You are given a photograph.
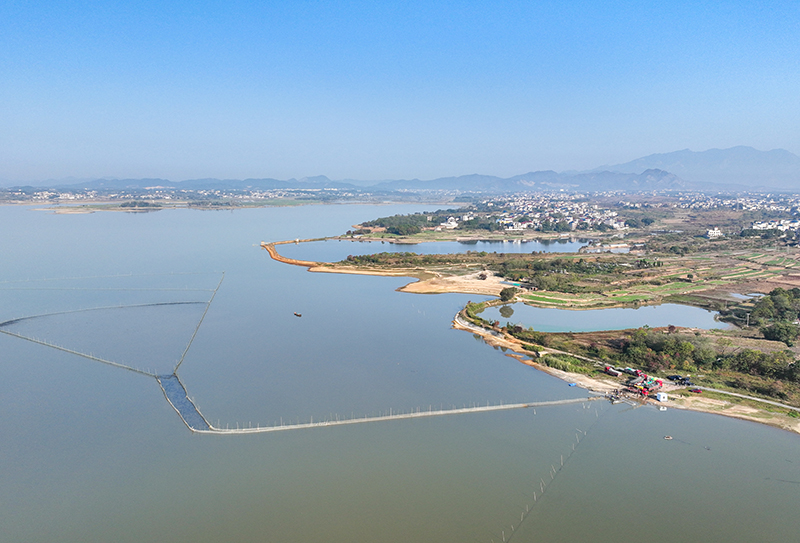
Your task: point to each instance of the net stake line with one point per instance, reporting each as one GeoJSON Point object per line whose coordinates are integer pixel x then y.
{"type": "Point", "coordinates": [203, 316]}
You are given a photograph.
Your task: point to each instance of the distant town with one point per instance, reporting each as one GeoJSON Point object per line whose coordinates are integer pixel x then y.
{"type": "Point", "coordinates": [555, 211]}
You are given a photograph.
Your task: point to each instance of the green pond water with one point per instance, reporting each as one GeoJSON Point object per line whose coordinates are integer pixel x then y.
{"type": "Point", "coordinates": [94, 453]}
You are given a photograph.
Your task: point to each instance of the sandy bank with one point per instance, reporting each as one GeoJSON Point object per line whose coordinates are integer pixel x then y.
{"type": "Point", "coordinates": [596, 384]}
{"type": "Point", "coordinates": [427, 282]}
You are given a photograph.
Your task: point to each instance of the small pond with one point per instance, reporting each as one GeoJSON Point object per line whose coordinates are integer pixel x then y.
{"type": "Point", "coordinates": [618, 318]}
{"type": "Point", "coordinates": [336, 250]}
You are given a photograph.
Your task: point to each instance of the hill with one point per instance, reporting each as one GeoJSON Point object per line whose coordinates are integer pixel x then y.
{"type": "Point", "coordinates": [741, 165]}
{"type": "Point", "coordinates": [735, 169]}
{"type": "Point", "coordinates": [652, 179]}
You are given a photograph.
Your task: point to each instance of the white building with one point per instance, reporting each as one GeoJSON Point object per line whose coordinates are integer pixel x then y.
{"type": "Point", "coordinates": [450, 223]}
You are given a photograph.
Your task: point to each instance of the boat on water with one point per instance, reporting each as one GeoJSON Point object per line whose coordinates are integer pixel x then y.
{"type": "Point", "coordinates": [296, 314]}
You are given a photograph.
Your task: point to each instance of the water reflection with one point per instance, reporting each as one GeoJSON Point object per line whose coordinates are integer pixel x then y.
{"type": "Point", "coordinates": [561, 320]}
{"type": "Point", "coordinates": [336, 250]}
{"type": "Point", "coordinates": [506, 311]}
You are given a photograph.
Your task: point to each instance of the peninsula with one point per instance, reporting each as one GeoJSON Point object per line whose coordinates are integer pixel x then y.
{"type": "Point", "coordinates": [753, 282]}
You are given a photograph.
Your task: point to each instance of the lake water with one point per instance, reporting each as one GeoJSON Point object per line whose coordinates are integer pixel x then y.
{"type": "Point", "coordinates": [95, 453]}
{"type": "Point", "coordinates": [336, 250]}
{"type": "Point", "coordinates": [618, 318]}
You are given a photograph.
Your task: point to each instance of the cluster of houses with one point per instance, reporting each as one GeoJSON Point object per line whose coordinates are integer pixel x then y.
{"type": "Point", "coordinates": [525, 213]}
{"type": "Point", "coordinates": [743, 202]}
{"type": "Point", "coordinates": [782, 225]}
{"type": "Point", "coordinates": [48, 195]}
{"type": "Point", "coordinates": [172, 194]}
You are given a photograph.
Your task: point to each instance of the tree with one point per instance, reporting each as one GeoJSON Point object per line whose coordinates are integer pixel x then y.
{"type": "Point", "coordinates": [404, 229]}
{"type": "Point", "coordinates": [508, 293]}
{"type": "Point", "coordinates": [781, 331]}
{"type": "Point", "coordinates": [704, 357]}
{"type": "Point", "coordinates": [562, 226]}
{"type": "Point", "coordinates": [765, 309]}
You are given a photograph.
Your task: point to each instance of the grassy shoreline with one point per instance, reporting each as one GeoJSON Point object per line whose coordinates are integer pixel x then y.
{"type": "Point", "coordinates": [752, 409]}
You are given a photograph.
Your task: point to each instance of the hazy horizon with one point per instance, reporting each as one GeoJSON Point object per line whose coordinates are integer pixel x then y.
{"type": "Point", "coordinates": [729, 163]}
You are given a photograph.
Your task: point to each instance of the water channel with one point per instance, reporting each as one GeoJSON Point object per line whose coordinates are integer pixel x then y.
{"type": "Point", "coordinates": [94, 453]}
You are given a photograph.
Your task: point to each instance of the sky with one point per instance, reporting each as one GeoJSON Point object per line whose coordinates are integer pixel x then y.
{"type": "Point", "coordinates": [386, 90]}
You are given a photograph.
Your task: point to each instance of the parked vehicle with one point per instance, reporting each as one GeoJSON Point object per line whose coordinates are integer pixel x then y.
{"type": "Point", "coordinates": [653, 384]}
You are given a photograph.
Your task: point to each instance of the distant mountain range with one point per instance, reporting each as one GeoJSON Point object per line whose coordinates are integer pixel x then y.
{"type": "Point", "coordinates": [547, 180]}
{"type": "Point", "coordinates": [737, 168]}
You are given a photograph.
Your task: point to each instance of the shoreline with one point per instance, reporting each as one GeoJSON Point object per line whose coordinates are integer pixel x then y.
{"type": "Point", "coordinates": [594, 384]}
{"type": "Point", "coordinates": [431, 281]}
{"type": "Point", "coordinates": [427, 282]}
{"type": "Point", "coordinates": [469, 285]}
{"type": "Point", "coordinates": [545, 238]}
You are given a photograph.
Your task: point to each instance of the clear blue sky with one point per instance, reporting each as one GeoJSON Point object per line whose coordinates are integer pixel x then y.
{"type": "Point", "coordinates": [378, 90]}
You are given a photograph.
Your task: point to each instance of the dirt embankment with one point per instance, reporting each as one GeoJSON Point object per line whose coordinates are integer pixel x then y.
{"type": "Point", "coordinates": [270, 247]}
{"type": "Point", "coordinates": [428, 282]}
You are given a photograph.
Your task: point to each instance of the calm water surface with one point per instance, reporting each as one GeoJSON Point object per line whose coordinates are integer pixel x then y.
{"type": "Point", "coordinates": [618, 318]}
{"type": "Point", "coordinates": [95, 453]}
{"type": "Point", "coordinates": [336, 250]}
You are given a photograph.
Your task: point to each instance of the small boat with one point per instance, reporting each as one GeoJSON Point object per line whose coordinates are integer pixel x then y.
{"type": "Point", "coordinates": [667, 437]}
{"type": "Point", "coordinates": [296, 314]}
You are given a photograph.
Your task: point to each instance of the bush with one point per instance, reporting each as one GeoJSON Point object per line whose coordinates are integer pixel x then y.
{"type": "Point", "coordinates": [138, 203]}
{"type": "Point", "coordinates": [556, 363]}
{"type": "Point", "coordinates": [564, 362]}
{"type": "Point", "coordinates": [404, 230]}
{"type": "Point", "coordinates": [540, 338]}
{"type": "Point", "coordinates": [508, 293]}
{"type": "Point", "coordinates": [781, 331]}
